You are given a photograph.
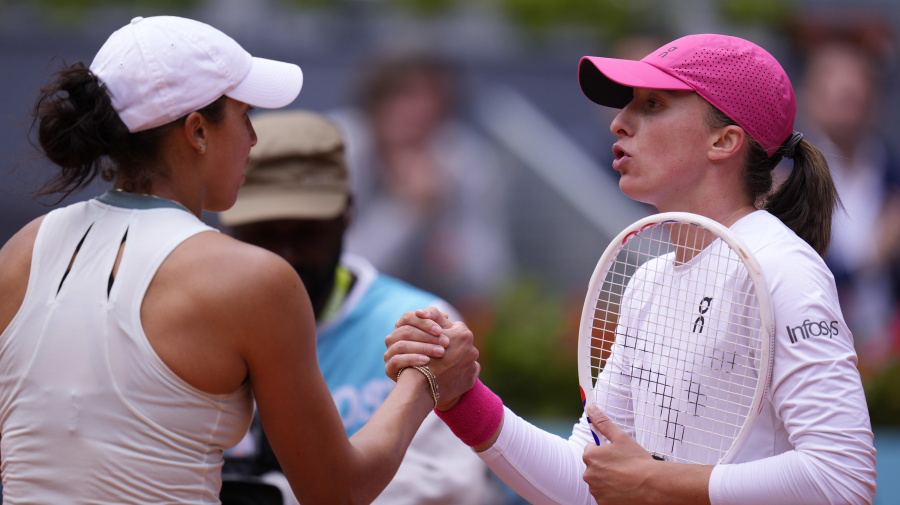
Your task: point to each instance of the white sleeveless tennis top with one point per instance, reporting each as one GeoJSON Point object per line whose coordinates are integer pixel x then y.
{"type": "Point", "coordinates": [88, 412]}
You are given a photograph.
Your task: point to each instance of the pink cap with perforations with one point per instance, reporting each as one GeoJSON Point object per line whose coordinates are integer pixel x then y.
{"type": "Point", "coordinates": [736, 76]}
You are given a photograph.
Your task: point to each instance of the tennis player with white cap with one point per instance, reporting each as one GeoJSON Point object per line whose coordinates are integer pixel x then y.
{"type": "Point", "coordinates": [134, 337]}
{"type": "Point", "coordinates": [704, 120]}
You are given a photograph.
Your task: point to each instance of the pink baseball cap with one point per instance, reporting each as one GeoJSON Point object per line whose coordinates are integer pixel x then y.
{"type": "Point", "coordinates": [736, 76]}
{"type": "Point", "coordinates": [160, 68]}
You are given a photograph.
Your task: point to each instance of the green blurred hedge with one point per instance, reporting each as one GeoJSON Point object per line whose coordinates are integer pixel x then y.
{"type": "Point", "coordinates": [527, 340]}
{"type": "Point", "coordinates": [883, 395]}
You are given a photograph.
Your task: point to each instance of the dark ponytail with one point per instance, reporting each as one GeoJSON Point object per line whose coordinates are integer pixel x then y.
{"type": "Point", "coordinates": [76, 127]}
{"type": "Point", "coordinates": [79, 130]}
{"type": "Point", "coordinates": [805, 201]}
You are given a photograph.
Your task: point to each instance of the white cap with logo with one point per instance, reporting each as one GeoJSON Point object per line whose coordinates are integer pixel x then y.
{"type": "Point", "coordinates": [160, 68]}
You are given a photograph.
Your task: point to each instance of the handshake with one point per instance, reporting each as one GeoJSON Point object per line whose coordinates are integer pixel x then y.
{"type": "Point", "coordinates": [445, 350]}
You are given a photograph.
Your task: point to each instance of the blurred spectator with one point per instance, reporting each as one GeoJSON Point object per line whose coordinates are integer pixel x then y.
{"type": "Point", "coordinates": [295, 202]}
{"type": "Point", "coordinates": [847, 59]}
{"type": "Point", "coordinates": [429, 190]}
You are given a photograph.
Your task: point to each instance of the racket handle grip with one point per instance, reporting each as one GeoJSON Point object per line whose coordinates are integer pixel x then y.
{"type": "Point", "coordinates": [476, 417]}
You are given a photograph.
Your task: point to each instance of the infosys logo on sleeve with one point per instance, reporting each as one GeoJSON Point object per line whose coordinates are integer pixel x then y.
{"type": "Point", "coordinates": [810, 329]}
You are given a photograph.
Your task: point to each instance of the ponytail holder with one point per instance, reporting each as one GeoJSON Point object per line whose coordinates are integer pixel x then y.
{"type": "Point", "coordinates": [790, 145]}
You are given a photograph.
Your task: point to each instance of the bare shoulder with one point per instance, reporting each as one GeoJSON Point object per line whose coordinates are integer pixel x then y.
{"type": "Point", "coordinates": [231, 280]}
{"type": "Point", "coordinates": [15, 267]}
{"type": "Point", "coordinates": [20, 245]}
{"type": "Point", "coordinates": [216, 297]}
{"type": "Point", "coordinates": [217, 259]}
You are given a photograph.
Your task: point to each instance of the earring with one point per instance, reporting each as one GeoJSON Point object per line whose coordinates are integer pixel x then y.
{"type": "Point", "coordinates": [202, 148]}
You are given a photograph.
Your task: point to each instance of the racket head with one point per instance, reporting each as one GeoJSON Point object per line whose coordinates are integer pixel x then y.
{"type": "Point", "coordinates": [684, 378]}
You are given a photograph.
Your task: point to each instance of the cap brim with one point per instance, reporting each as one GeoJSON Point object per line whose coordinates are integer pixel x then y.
{"type": "Point", "coordinates": [269, 84]}
{"type": "Point", "coordinates": [611, 82]}
{"type": "Point", "coordinates": [269, 205]}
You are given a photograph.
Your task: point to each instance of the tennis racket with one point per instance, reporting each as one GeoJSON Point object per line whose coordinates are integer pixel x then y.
{"type": "Point", "coordinates": [676, 337]}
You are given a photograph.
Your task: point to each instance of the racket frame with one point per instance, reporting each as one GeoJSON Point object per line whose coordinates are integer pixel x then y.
{"type": "Point", "coordinates": [766, 309]}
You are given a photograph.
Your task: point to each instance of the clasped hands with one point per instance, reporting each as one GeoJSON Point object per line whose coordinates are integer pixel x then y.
{"type": "Point", "coordinates": [615, 471]}
{"type": "Point", "coordinates": [428, 337]}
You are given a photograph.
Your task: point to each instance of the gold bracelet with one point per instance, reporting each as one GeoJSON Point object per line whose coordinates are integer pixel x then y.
{"type": "Point", "coordinates": [432, 381]}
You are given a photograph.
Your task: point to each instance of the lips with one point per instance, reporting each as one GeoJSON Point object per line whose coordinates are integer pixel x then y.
{"type": "Point", "coordinates": [621, 156]}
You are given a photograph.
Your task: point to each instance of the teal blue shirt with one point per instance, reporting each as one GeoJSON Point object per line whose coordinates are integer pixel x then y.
{"type": "Point", "coordinates": [351, 346]}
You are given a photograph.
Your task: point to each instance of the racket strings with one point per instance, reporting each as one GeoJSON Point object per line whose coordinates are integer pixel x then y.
{"type": "Point", "coordinates": [676, 339]}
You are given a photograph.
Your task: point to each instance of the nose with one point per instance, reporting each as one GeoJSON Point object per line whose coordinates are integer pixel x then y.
{"type": "Point", "coordinates": [621, 125]}
{"type": "Point", "coordinates": [253, 138]}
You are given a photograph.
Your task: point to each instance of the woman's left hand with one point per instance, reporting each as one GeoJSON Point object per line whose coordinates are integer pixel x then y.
{"type": "Point", "coordinates": [622, 471]}
{"type": "Point", "coordinates": [615, 471]}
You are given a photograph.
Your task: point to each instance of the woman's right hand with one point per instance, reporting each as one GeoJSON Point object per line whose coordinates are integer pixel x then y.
{"type": "Point", "coordinates": [427, 337]}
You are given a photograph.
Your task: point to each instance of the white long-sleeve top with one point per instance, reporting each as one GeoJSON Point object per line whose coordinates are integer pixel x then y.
{"type": "Point", "coordinates": [813, 441]}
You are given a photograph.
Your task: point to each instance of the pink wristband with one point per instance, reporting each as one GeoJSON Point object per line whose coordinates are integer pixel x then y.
{"type": "Point", "coordinates": [476, 417]}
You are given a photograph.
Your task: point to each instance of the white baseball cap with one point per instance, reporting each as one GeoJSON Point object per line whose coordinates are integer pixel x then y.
{"type": "Point", "coordinates": [160, 68]}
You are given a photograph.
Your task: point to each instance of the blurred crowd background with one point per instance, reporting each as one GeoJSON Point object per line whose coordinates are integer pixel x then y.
{"type": "Point", "coordinates": [481, 173]}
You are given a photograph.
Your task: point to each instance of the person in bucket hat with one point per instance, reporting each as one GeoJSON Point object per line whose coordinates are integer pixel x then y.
{"type": "Point", "coordinates": [135, 337]}
{"type": "Point", "coordinates": [704, 120]}
{"type": "Point", "coordinates": [296, 202]}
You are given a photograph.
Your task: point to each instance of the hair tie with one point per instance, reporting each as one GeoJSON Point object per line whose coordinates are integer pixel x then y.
{"type": "Point", "coordinates": [790, 145]}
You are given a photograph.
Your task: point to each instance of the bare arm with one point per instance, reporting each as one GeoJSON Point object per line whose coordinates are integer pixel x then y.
{"type": "Point", "coordinates": [299, 415]}
{"type": "Point", "coordinates": [234, 312]}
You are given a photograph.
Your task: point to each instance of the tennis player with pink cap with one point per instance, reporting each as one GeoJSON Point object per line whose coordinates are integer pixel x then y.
{"type": "Point", "coordinates": [133, 336]}
{"type": "Point", "coordinates": [704, 120]}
